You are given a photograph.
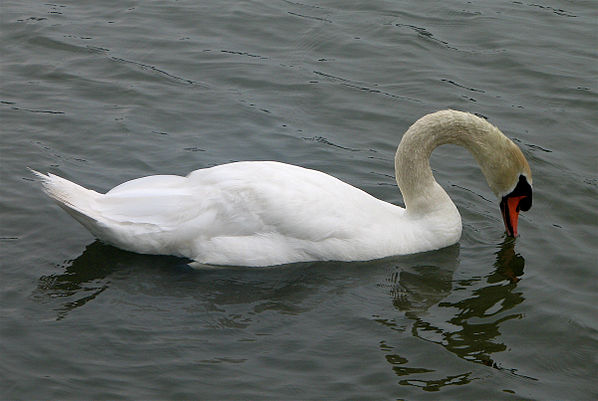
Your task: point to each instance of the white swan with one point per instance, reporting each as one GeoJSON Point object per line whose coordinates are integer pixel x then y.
{"type": "Point", "coordinates": [268, 213]}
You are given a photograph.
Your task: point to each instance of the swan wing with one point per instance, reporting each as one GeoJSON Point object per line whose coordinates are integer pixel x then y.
{"type": "Point", "coordinates": [271, 197]}
{"type": "Point", "coordinates": [251, 213]}
{"type": "Point", "coordinates": [160, 200]}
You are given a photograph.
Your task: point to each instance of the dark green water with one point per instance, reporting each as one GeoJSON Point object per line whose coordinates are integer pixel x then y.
{"type": "Point", "coordinates": [103, 92]}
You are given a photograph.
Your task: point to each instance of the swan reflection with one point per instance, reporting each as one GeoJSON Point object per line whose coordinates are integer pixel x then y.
{"type": "Point", "coordinates": [463, 316]}
{"type": "Point", "coordinates": [100, 266]}
{"type": "Point", "coordinates": [86, 277]}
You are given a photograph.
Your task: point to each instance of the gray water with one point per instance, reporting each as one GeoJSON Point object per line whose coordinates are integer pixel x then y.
{"type": "Point", "coordinates": [103, 92]}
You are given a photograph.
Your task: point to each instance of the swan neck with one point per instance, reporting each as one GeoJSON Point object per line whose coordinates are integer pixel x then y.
{"type": "Point", "coordinates": [414, 176]}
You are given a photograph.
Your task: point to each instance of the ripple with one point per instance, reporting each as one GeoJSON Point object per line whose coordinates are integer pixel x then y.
{"type": "Point", "coordinates": [310, 17]}
{"type": "Point", "coordinates": [152, 68]}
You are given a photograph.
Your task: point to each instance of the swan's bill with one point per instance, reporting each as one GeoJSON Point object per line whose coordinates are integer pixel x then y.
{"type": "Point", "coordinates": [520, 199]}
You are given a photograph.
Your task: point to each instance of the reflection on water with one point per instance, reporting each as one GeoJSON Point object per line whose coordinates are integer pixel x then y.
{"type": "Point", "coordinates": [100, 266]}
{"type": "Point", "coordinates": [477, 318]}
{"type": "Point", "coordinates": [508, 263]}
{"type": "Point", "coordinates": [475, 309]}
{"type": "Point", "coordinates": [85, 277]}
{"type": "Point", "coordinates": [463, 316]}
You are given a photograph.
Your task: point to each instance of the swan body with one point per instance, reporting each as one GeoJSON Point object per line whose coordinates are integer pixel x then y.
{"type": "Point", "coordinates": [260, 213]}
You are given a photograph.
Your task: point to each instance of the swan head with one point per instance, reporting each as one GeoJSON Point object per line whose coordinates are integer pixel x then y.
{"type": "Point", "coordinates": [503, 164]}
{"type": "Point", "coordinates": [510, 179]}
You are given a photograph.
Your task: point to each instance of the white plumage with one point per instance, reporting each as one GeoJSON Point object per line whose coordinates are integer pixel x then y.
{"type": "Point", "coordinates": [262, 213]}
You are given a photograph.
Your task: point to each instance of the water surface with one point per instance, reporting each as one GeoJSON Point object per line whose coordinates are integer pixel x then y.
{"type": "Point", "coordinates": [103, 92]}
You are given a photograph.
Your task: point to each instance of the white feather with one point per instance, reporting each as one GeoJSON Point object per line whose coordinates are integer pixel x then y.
{"type": "Point", "coordinates": [266, 213]}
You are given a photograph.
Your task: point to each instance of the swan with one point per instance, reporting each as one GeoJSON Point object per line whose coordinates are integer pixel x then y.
{"type": "Point", "coordinates": [263, 213]}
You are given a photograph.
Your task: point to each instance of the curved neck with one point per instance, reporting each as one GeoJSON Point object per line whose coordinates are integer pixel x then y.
{"type": "Point", "coordinates": [414, 176]}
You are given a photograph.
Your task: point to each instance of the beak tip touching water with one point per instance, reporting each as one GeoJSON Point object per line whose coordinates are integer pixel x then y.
{"type": "Point", "coordinates": [509, 208]}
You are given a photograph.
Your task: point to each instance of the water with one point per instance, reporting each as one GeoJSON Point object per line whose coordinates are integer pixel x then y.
{"type": "Point", "coordinates": [103, 92]}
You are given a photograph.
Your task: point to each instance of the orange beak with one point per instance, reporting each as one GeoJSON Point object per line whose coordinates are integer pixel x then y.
{"type": "Point", "coordinates": [509, 208]}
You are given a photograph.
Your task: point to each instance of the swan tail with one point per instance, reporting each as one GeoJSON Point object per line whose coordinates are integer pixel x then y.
{"type": "Point", "coordinates": [76, 200]}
